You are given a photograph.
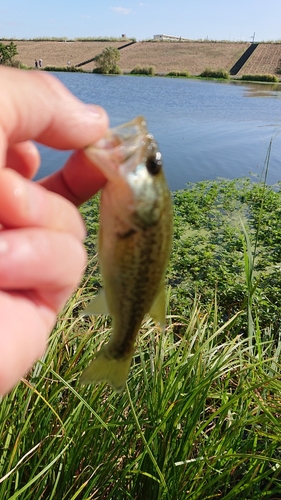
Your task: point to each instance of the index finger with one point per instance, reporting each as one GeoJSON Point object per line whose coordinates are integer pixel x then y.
{"type": "Point", "coordinates": [35, 105]}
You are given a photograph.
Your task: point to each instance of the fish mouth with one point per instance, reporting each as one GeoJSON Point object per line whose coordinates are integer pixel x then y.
{"type": "Point", "coordinates": [124, 145]}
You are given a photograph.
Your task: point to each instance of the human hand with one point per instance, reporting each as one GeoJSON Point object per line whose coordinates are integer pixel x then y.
{"type": "Point", "coordinates": [41, 231]}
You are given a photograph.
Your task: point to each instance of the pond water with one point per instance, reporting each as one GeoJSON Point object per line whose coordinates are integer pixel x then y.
{"type": "Point", "coordinates": [204, 129]}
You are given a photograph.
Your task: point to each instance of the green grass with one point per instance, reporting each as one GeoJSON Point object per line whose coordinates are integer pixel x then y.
{"type": "Point", "coordinates": [260, 78]}
{"type": "Point", "coordinates": [71, 69]}
{"type": "Point", "coordinates": [200, 417]}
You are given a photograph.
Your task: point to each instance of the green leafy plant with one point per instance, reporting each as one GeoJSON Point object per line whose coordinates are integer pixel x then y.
{"type": "Point", "coordinates": [208, 247]}
{"type": "Point", "coordinates": [107, 60]}
{"type": "Point", "coordinates": [7, 53]}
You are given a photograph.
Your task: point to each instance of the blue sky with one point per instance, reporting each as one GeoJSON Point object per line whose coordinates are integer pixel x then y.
{"type": "Point", "coordinates": [195, 19]}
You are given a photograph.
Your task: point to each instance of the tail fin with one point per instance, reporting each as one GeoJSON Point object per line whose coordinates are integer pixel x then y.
{"type": "Point", "coordinates": [107, 369]}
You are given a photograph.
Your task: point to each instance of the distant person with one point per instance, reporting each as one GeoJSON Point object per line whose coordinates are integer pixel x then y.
{"type": "Point", "coordinates": [40, 63]}
{"type": "Point", "coordinates": [36, 63]}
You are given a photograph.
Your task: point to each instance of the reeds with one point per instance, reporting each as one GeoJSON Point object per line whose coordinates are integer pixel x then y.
{"type": "Point", "coordinates": [199, 417]}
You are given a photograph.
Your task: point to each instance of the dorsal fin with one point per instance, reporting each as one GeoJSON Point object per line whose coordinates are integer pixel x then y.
{"type": "Point", "coordinates": [158, 308]}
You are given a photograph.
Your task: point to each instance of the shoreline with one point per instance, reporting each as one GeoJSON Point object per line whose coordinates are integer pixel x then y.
{"type": "Point", "coordinates": [163, 75]}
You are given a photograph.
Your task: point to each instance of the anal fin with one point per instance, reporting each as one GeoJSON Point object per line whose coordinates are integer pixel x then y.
{"type": "Point", "coordinates": [97, 306]}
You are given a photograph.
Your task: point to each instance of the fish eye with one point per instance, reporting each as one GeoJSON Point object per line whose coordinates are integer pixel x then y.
{"type": "Point", "coordinates": [153, 165]}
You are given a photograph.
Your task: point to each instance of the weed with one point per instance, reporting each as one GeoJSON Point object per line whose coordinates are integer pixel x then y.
{"type": "Point", "coordinates": [209, 73]}
{"type": "Point", "coordinates": [143, 70]}
{"type": "Point", "coordinates": [184, 74]}
{"type": "Point", "coordinates": [260, 78]}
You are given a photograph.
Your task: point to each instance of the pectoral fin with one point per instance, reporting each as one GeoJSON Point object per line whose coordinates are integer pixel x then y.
{"type": "Point", "coordinates": [158, 308]}
{"type": "Point", "coordinates": [97, 306]}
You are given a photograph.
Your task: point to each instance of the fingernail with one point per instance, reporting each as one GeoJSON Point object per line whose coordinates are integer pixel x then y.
{"type": "Point", "coordinates": [94, 111]}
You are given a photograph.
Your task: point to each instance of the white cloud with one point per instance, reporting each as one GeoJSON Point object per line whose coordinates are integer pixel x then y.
{"type": "Point", "coordinates": [121, 10]}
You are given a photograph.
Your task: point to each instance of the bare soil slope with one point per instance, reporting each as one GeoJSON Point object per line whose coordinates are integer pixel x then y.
{"type": "Point", "coordinates": [191, 56]}
{"type": "Point", "coordinates": [265, 59]}
{"type": "Point", "coordinates": [59, 53]}
{"type": "Point", "coordinates": [164, 56]}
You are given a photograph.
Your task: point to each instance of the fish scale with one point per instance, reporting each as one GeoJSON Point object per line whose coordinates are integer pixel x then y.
{"type": "Point", "coordinates": [144, 277]}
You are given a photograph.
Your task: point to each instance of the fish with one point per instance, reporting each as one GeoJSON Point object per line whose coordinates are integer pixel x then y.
{"type": "Point", "coordinates": [134, 244]}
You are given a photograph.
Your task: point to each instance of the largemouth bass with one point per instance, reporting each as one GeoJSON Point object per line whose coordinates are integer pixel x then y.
{"type": "Point", "coordinates": [134, 244]}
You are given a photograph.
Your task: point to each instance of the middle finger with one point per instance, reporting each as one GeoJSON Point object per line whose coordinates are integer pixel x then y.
{"type": "Point", "coordinates": [26, 204]}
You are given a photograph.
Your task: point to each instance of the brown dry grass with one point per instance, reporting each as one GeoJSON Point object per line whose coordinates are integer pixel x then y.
{"type": "Point", "coordinates": [164, 56]}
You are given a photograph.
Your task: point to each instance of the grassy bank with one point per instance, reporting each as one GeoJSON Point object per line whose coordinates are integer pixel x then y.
{"type": "Point", "coordinates": [200, 417]}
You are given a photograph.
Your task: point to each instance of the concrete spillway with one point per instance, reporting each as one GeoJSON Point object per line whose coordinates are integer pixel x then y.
{"type": "Point", "coordinates": [93, 58]}
{"type": "Point", "coordinates": [241, 61]}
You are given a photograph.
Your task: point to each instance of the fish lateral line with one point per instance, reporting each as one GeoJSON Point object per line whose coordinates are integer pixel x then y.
{"type": "Point", "coordinates": [99, 306]}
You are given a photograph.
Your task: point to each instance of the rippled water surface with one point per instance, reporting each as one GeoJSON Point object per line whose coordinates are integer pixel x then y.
{"type": "Point", "coordinates": [204, 129]}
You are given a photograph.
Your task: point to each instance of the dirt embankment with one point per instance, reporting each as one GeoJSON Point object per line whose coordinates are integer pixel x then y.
{"type": "Point", "coordinates": [164, 56]}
